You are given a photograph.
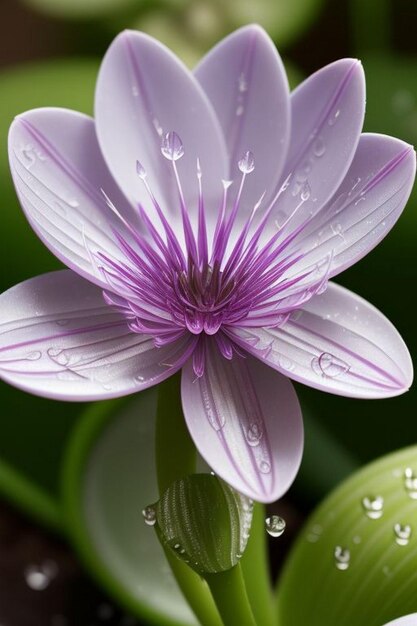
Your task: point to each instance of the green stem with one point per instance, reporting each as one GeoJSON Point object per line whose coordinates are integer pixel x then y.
{"type": "Point", "coordinates": [176, 458]}
{"type": "Point", "coordinates": [255, 569]}
{"type": "Point", "coordinates": [229, 593]}
{"type": "Point", "coordinates": [370, 20]}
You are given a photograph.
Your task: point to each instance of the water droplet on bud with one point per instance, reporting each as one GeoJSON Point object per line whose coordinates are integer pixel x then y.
{"type": "Point", "coordinates": [149, 515]}
{"type": "Point", "coordinates": [172, 147]}
{"type": "Point", "coordinates": [275, 525]}
{"type": "Point", "coordinates": [247, 163]}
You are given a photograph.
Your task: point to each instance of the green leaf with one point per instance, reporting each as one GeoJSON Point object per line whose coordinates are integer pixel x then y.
{"type": "Point", "coordinates": [205, 522]}
{"type": "Point", "coordinates": [355, 560]}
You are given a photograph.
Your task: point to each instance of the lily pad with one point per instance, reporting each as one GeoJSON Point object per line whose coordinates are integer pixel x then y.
{"type": "Point", "coordinates": [109, 478]}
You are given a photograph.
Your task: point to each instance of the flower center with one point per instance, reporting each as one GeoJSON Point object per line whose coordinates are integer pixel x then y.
{"type": "Point", "coordinates": [208, 278]}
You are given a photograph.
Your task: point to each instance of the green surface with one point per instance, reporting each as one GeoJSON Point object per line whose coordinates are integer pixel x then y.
{"type": "Point", "coordinates": [380, 581]}
{"type": "Point", "coordinates": [33, 431]}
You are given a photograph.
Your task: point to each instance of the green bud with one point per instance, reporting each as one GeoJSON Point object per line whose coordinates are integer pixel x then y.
{"type": "Point", "coordinates": [205, 522]}
{"type": "Point", "coordinates": [355, 562]}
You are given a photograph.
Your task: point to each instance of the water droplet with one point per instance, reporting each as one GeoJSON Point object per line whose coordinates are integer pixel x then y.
{"type": "Point", "coordinates": [296, 189]}
{"type": "Point", "coordinates": [135, 91]}
{"type": "Point", "coordinates": [63, 322]}
{"type": "Point", "coordinates": [247, 163]}
{"type": "Point", "coordinates": [139, 379]}
{"type": "Point", "coordinates": [319, 147]}
{"type": "Point", "coordinates": [34, 356]}
{"type": "Point", "coordinates": [341, 558]}
{"type": "Point", "coordinates": [333, 118]}
{"type": "Point", "coordinates": [373, 506]}
{"type": "Point", "coordinates": [264, 467]}
{"type": "Point", "coordinates": [275, 525]}
{"type": "Point", "coordinates": [402, 534]}
{"type": "Point", "coordinates": [172, 147]}
{"type": "Point", "coordinates": [243, 85]}
{"type": "Point", "coordinates": [410, 483]}
{"type": "Point", "coordinates": [58, 356]}
{"type": "Point", "coordinates": [73, 203]}
{"type": "Point", "coordinates": [337, 229]}
{"type": "Point", "coordinates": [239, 110]}
{"type": "Point", "coordinates": [140, 170]}
{"type": "Point", "coordinates": [305, 192]}
{"type": "Point", "coordinates": [254, 434]}
{"type": "Point", "coordinates": [329, 366]}
{"type": "Point", "coordinates": [149, 515]}
{"type": "Point", "coordinates": [157, 126]}
{"type": "Point", "coordinates": [286, 363]}
{"type": "Point", "coordinates": [39, 577]}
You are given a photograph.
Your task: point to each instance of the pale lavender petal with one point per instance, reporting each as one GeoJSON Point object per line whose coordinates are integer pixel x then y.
{"type": "Point", "coordinates": [339, 343]}
{"type": "Point", "coordinates": [246, 423]}
{"type": "Point", "coordinates": [327, 116]}
{"type": "Point", "coordinates": [246, 82]}
{"type": "Point", "coordinates": [407, 620]}
{"type": "Point", "coordinates": [59, 339]}
{"type": "Point", "coordinates": [365, 207]}
{"type": "Point", "coordinates": [143, 92]}
{"type": "Point", "coordinates": [59, 172]}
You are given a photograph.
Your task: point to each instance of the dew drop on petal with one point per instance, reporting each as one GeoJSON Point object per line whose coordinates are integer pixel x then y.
{"type": "Point", "coordinates": [329, 366]}
{"type": "Point", "coordinates": [341, 558]}
{"type": "Point", "coordinates": [373, 506]}
{"type": "Point", "coordinates": [247, 163]}
{"type": "Point", "coordinates": [264, 467]}
{"type": "Point", "coordinates": [172, 147]}
{"type": "Point", "coordinates": [34, 356]}
{"type": "Point", "coordinates": [334, 117]}
{"type": "Point", "coordinates": [149, 515]}
{"type": "Point", "coordinates": [275, 525]}
{"type": "Point", "coordinates": [305, 192]}
{"type": "Point", "coordinates": [140, 170]}
{"type": "Point", "coordinates": [319, 147]}
{"type": "Point", "coordinates": [402, 533]}
{"type": "Point", "coordinates": [254, 434]}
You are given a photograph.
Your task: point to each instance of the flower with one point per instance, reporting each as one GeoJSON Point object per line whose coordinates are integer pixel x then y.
{"type": "Point", "coordinates": [202, 216]}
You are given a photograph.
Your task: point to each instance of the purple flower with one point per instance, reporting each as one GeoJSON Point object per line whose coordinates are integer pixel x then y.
{"type": "Point", "coordinates": [202, 216]}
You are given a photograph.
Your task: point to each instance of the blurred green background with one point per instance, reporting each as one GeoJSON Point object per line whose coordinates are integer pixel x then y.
{"type": "Point", "coordinates": [49, 55]}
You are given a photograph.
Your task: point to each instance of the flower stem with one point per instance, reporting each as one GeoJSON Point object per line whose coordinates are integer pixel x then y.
{"type": "Point", "coordinates": [176, 458]}
{"type": "Point", "coordinates": [255, 569]}
{"type": "Point", "coordinates": [229, 593]}
{"type": "Point", "coordinates": [370, 21]}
